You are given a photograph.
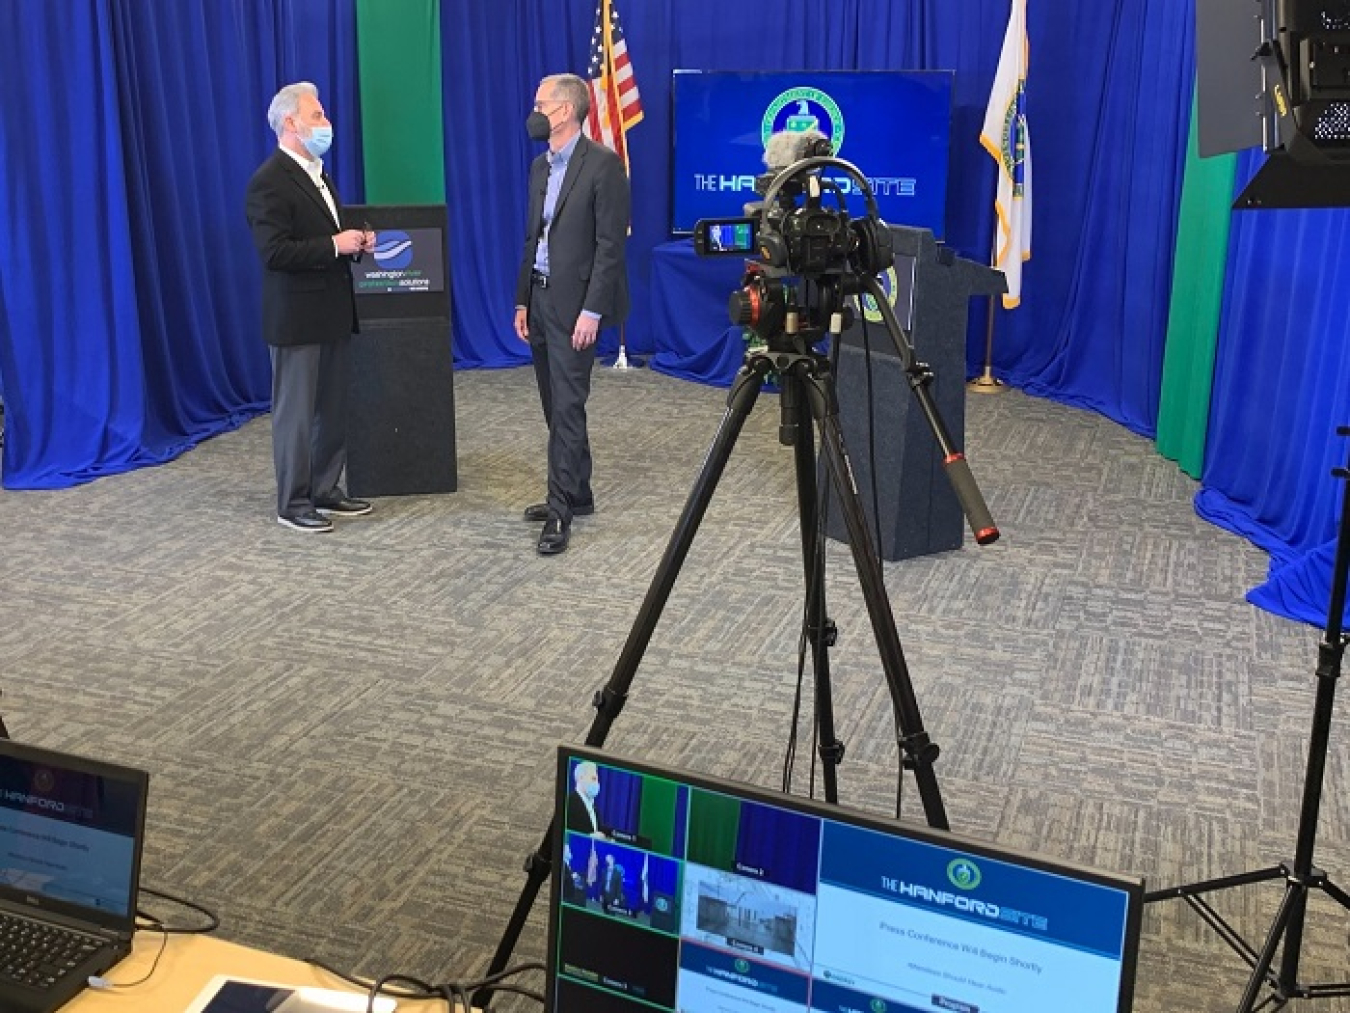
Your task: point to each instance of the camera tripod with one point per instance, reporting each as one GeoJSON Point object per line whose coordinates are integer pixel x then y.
{"type": "Point", "coordinates": [1300, 877]}
{"type": "Point", "coordinates": [807, 395]}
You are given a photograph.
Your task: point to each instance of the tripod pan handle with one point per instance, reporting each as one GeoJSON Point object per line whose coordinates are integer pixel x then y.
{"type": "Point", "coordinates": [979, 518]}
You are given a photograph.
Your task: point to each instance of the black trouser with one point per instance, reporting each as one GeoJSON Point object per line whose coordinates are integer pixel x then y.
{"type": "Point", "coordinates": [564, 378]}
{"type": "Point", "coordinates": [309, 418]}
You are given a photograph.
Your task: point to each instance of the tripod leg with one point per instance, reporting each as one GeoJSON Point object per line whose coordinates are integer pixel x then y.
{"type": "Point", "coordinates": [1294, 898]}
{"type": "Point", "coordinates": [744, 392]}
{"type": "Point", "coordinates": [819, 629]}
{"type": "Point", "coordinates": [610, 700]}
{"type": "Point", "coordinates": [917, 750]}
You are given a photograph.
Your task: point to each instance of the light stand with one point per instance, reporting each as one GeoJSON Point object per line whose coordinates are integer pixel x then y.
{"type": "Point", "coordinates": [1301, 877]}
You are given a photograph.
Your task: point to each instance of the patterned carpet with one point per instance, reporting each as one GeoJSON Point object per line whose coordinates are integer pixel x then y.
{"type": "Point", "coordinates": [351, 736]}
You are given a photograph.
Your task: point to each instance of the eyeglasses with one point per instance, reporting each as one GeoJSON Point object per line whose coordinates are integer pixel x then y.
{"type": "Point", "coordinates": [539, 106]}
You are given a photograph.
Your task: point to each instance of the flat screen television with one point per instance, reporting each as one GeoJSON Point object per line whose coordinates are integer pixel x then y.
{"type": "Point", "coordinates": [895, 126]}
{"type": "Point", "coordinates": [407, 276]}
{"type": "Point", "coordinates": [676, 891]}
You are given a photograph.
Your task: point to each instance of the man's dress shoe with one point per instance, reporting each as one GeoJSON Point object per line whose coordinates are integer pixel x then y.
{"type": "Point", "coordinates": [309, 522]}
{"type": "Point", "coordinates": [537, 512]}
{"type": "Point", "coordinates": [553, 539]}
{"type": "Point", "coordinates": [343, 506]}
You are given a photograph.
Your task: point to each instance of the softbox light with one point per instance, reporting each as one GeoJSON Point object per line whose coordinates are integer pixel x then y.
{"type": "Point", "coordinates": [1303, 55]}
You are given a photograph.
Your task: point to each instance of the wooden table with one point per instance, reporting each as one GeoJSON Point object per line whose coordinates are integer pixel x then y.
{"type": "Point", "coordinates": [189, 962]}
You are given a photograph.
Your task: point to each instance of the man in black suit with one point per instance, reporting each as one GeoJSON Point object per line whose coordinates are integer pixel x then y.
{"type": "Point", "coordinates": [309, 310]}
{"type": "Point", "coordinates": [581, 812]}
{"type": "Point", "coordinates": [613, 895]}
{"type": "Point", "coordinates": [572, 283]}
{"type": "Point", "coordinates": [573, 882]}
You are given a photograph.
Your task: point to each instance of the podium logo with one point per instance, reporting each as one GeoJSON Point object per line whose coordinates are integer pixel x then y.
{"type": "Point", "coordinates": [393, 250]}
{"type": "Point", "coordinates": [963, 873]}
{"type": "Point", "coordinates": [799, 109]}
{"type": "Point", "coordinates": [890, 285]}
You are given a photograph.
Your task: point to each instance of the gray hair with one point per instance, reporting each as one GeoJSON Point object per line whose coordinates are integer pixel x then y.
{"type": "Point", "coordinates": [570, 88]}
{"type": "Point", "coordinates": [287, 103]}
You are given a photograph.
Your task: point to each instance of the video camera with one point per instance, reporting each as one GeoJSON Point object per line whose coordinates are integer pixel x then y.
{"type": "Point", "coordinates": [794, 234]}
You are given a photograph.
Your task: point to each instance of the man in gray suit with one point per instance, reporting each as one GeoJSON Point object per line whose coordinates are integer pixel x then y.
{"type": "Point", "coordinates": [572, 283]}
{"type": "Point", "coordinates": [309, 310]}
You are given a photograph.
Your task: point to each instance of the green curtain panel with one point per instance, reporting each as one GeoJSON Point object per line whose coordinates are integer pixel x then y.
{"type": "Point", "coordinates": [714, 824]}
{"type": "Point", "coordinates": [656, 820]}
{"type": "Point", "coordinates": [1197, 299]}
{"type": "Point", "coordinates": [398, 46]}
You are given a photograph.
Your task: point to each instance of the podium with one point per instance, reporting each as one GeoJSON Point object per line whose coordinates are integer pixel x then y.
{"type": "Point", "coordinates": [930, 289]}
{"type": "Point", "coordinates": [401, 401]}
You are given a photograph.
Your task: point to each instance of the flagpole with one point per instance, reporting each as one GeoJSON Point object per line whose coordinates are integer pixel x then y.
{"type": "Point", "coordinates": [619, 124]}
{"type": "Point", "coordinates": [1005, 136]}
{"type": "Point", "coordinates": [987, 383]}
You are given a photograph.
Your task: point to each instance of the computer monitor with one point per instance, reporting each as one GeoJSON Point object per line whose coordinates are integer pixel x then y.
{"type": "Point", "coordinates": [895, 126]}
{"type": "Point", "coordinates": [678, 891]}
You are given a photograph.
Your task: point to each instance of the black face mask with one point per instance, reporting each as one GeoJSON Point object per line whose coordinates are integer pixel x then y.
{"type": "Point", "coordinates": [537, 125]}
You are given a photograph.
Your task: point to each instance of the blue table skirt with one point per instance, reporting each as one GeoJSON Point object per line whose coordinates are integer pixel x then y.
{"type": "Point", "coordinates": [690, 328]}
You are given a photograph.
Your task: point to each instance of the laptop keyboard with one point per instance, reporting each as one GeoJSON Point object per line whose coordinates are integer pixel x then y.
{"type": "Point", "coordinates": [37, 955]}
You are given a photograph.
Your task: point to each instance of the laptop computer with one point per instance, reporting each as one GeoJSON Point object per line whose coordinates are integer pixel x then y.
{"type": "Point", "coordinates": [71, 836]}
{"type": "Point", "coordinates": [678, 891]}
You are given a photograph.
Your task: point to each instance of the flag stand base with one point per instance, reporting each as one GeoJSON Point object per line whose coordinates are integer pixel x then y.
{"type": "Point", "coordinates": [625, 361]}
{"type": "Point", "coordinates": [987, 383]}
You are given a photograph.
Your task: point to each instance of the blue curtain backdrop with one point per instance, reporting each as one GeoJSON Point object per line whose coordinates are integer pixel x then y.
{"type": "Point", "coordinates": [619, 804]}
{"type": "Point", "coordinates": [159, 350]}
{"type": "Point", "coordinates": [128, 283]}
{"type": "Point", "coordinates": [784, 846]}
{"type": "Point", "coordinates": [1280, 391]}
{"type": "Point", "coordinates": [1108, 96]}
{"type": "Point", "coordinates": [128, 287]}
{"type": "Point", "coordinates": [488, 153]}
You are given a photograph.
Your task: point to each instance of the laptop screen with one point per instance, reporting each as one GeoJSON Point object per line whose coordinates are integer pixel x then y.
{"type": "Point", "coordinates": [70, 833]}
{"type": "Point", "coordinates": [675, 891]}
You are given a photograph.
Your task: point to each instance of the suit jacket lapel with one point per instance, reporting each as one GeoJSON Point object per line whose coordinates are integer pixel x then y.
{"type": "Point", "coordinates": [332, 192]}
{"type": "Point", "coordinates": [538, 193]}
{"type": "Point", "coordinates": [574, 165]}
{"type": "Point", "coordinates": [304, 181]}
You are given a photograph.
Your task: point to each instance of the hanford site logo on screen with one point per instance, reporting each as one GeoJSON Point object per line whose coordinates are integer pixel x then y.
{"type": "Point", "coordinates": [799, 109]}
{"type": "Point", "coordinates": [963, 873]}
{"type": "Point", "coordinates": [393, 249]}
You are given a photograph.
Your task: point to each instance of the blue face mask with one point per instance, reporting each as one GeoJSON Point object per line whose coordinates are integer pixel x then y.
{"type": "Point", "coordinates": [592, 790]}
{"type": "Point", "coordinates": [318, 142]}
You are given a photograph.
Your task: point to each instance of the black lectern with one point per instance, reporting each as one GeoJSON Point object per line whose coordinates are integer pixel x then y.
{"type": "Point", "coordinates": [401, 404]}
{"type": "Point", "coordinates": [930, 289]}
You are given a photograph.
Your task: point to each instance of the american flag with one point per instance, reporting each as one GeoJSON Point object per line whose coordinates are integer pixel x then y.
{"type": "Point", "coordinates": [615, 105]}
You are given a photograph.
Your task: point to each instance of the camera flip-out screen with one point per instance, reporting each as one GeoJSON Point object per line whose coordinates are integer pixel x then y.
{"type": "Point", "coordinates": [728, 236]}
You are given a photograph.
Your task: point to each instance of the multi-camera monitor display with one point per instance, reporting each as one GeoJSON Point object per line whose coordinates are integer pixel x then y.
{"type": "Point", "coordinates": [677, 892]}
